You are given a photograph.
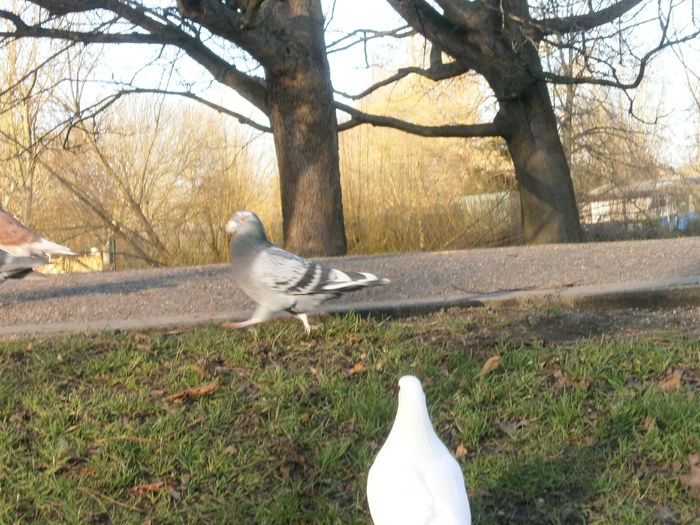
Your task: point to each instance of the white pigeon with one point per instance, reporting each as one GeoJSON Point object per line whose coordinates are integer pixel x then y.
{"type": "Point", "coordinates": [12, 267]}
{"type": "Point", "coordinates": [414, 479]}
{"type": "Point", "coordinates": [278, 280]}
{"type": "Point", "coordinates": [19, 241]}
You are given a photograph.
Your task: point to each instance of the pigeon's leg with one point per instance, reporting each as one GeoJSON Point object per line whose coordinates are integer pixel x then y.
{"type": "Point", "coordinates": [260, 315]}
{"type": "Point", "coordinates": [242, 324]}
{"type": "Point", "coordinates": [305, 319]}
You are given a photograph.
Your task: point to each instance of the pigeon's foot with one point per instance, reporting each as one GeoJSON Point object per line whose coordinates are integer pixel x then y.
{"type": "Point", "coordinates": [307, 327]}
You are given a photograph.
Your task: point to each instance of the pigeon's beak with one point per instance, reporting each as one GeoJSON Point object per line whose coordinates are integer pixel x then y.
{"type": "Point", "coordinates": [230, 227]}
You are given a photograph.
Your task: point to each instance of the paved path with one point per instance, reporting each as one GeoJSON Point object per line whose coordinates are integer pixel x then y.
{"type": "Point", "coordinates": [638, 273]}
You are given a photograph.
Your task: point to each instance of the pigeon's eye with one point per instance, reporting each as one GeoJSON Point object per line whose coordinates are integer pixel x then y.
{"type": "Point", "coordinates": [242, 219]}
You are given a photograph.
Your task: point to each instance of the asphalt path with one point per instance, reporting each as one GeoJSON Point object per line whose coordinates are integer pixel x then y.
{"type": "Point", "coordinates": [644, 273]}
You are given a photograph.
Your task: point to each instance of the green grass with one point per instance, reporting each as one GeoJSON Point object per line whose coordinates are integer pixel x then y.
{"type": "Point", "coordinates": [291, 432]}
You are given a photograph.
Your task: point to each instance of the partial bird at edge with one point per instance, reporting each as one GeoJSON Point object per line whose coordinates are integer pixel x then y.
{"type": "Point", "coordinates": [18, 240]}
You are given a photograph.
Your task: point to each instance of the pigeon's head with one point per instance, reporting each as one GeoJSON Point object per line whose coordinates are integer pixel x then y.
{"type": "Point", "coordinates": [411, 389]}
{"type": "Point", "coordinates": [243, 222]}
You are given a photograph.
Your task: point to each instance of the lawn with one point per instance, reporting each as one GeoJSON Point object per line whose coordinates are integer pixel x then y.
{"type": "Point", "coordinates": [267, 425]}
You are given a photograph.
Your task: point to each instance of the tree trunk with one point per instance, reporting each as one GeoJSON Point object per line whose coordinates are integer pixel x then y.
{"type": "Point", "coordinates": [547, 200]}
{"type": "Point", "coordinates": [305, 129]}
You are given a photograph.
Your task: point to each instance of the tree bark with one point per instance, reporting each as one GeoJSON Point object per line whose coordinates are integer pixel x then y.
{"type": "Point", "coordinates": [305, 129]}
{"type": "Point", "coordinates": [490, 38]}
{"type": "Point", "coordinates": [306, 144]}
{"type": "Point", "coordinates": [547, 200]}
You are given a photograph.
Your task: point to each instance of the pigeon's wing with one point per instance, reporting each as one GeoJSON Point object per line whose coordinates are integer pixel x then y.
{"type": "Point", "coordinates": [288, 273]}
{"type": "Point", "coordinates": [398, 495]}
{"type": "Point", "coordinates": [446, 483]}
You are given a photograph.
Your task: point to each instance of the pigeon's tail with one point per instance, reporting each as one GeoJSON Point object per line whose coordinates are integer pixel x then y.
{"type": "Point", "coordinates": [49, 248]}
{"type": "Point", "coordinates": [354, 281]}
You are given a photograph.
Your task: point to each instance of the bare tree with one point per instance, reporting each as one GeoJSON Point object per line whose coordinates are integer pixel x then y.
{"type": "Point", "coordinates": [283, 37]}
{"type": "Point", "coordinates": [501, 40]}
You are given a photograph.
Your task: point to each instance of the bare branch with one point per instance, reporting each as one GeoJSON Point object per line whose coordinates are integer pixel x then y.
{"type": "Point", "coordinates": [216, 107]}
{"type": "Point", "coordinates": [34, 70]}
{"type": "Point", "coordinates": [367, 35]}
{"type": "Point", "coordinates": [563, 79]}
{"type": "Point", "coordinates": [435, 72]}
{"type": "Point", "coordinates": [456, 130]}
{"type": "Point", "coordinates": [584, 22]}
{"type": "Point", "coordinates": [158, 32]}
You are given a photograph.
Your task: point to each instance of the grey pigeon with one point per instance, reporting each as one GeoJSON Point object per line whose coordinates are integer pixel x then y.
{"type": "Point", "coordinates": [414, 479]}
{"type": "Point", "coordinates": [18, 240]}
{"type": "Point", "coordinates": [278, 280]}
{"type": "Point", "coordinates": [12, 267]}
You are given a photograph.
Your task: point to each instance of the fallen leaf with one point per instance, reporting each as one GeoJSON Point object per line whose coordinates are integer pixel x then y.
{"type": "Point", "coordinates": [194, 392]}
{"type": "Point", "coordinates": [195, 422]}
{"type": "Point", "coordinates": [181, 330]}
{"type": "Point", "coordinates": [359, 367]}
{"type": "Point", "coordinates": [147, 487]}
{"type": "Point", "coordinates": [562, 381]}
{"type": "Point", "coordinates": [490, 365]}
{"type": "Point", "coordinates": [692, 479]}
{"type": "Point", "coordinates": [648, 422]}
{"type": "Point", "coordinates": [672, 382]}
{"type": "Point", "coordinates": [461, 451]}
{"type": "Point", "coordinates": [676, 467]}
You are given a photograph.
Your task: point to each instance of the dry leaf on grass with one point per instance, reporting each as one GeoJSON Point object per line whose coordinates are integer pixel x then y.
{"type": "Point", "coordinates": [148, 487]}
{"type": "Point", "coordinates": [193, 392]}
{"type": "Point", "coordinates": [490, 365]}
{"type": "Point", "coordinates": [692, 479]}
{"type": "Point", "coordinates": [672, 382]}
{"type": "Point", "coordinates": [461, 451]}
{"type": "Point", "coordinates": [195, 422]}
{"type": "Point", "coordinates": [649, 421]}
{"type": "Point", "coordinates": [359, 367]}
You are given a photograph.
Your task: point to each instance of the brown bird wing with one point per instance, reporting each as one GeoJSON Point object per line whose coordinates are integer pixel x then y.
{"type": "Point", "coordinates": [13, 232]}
